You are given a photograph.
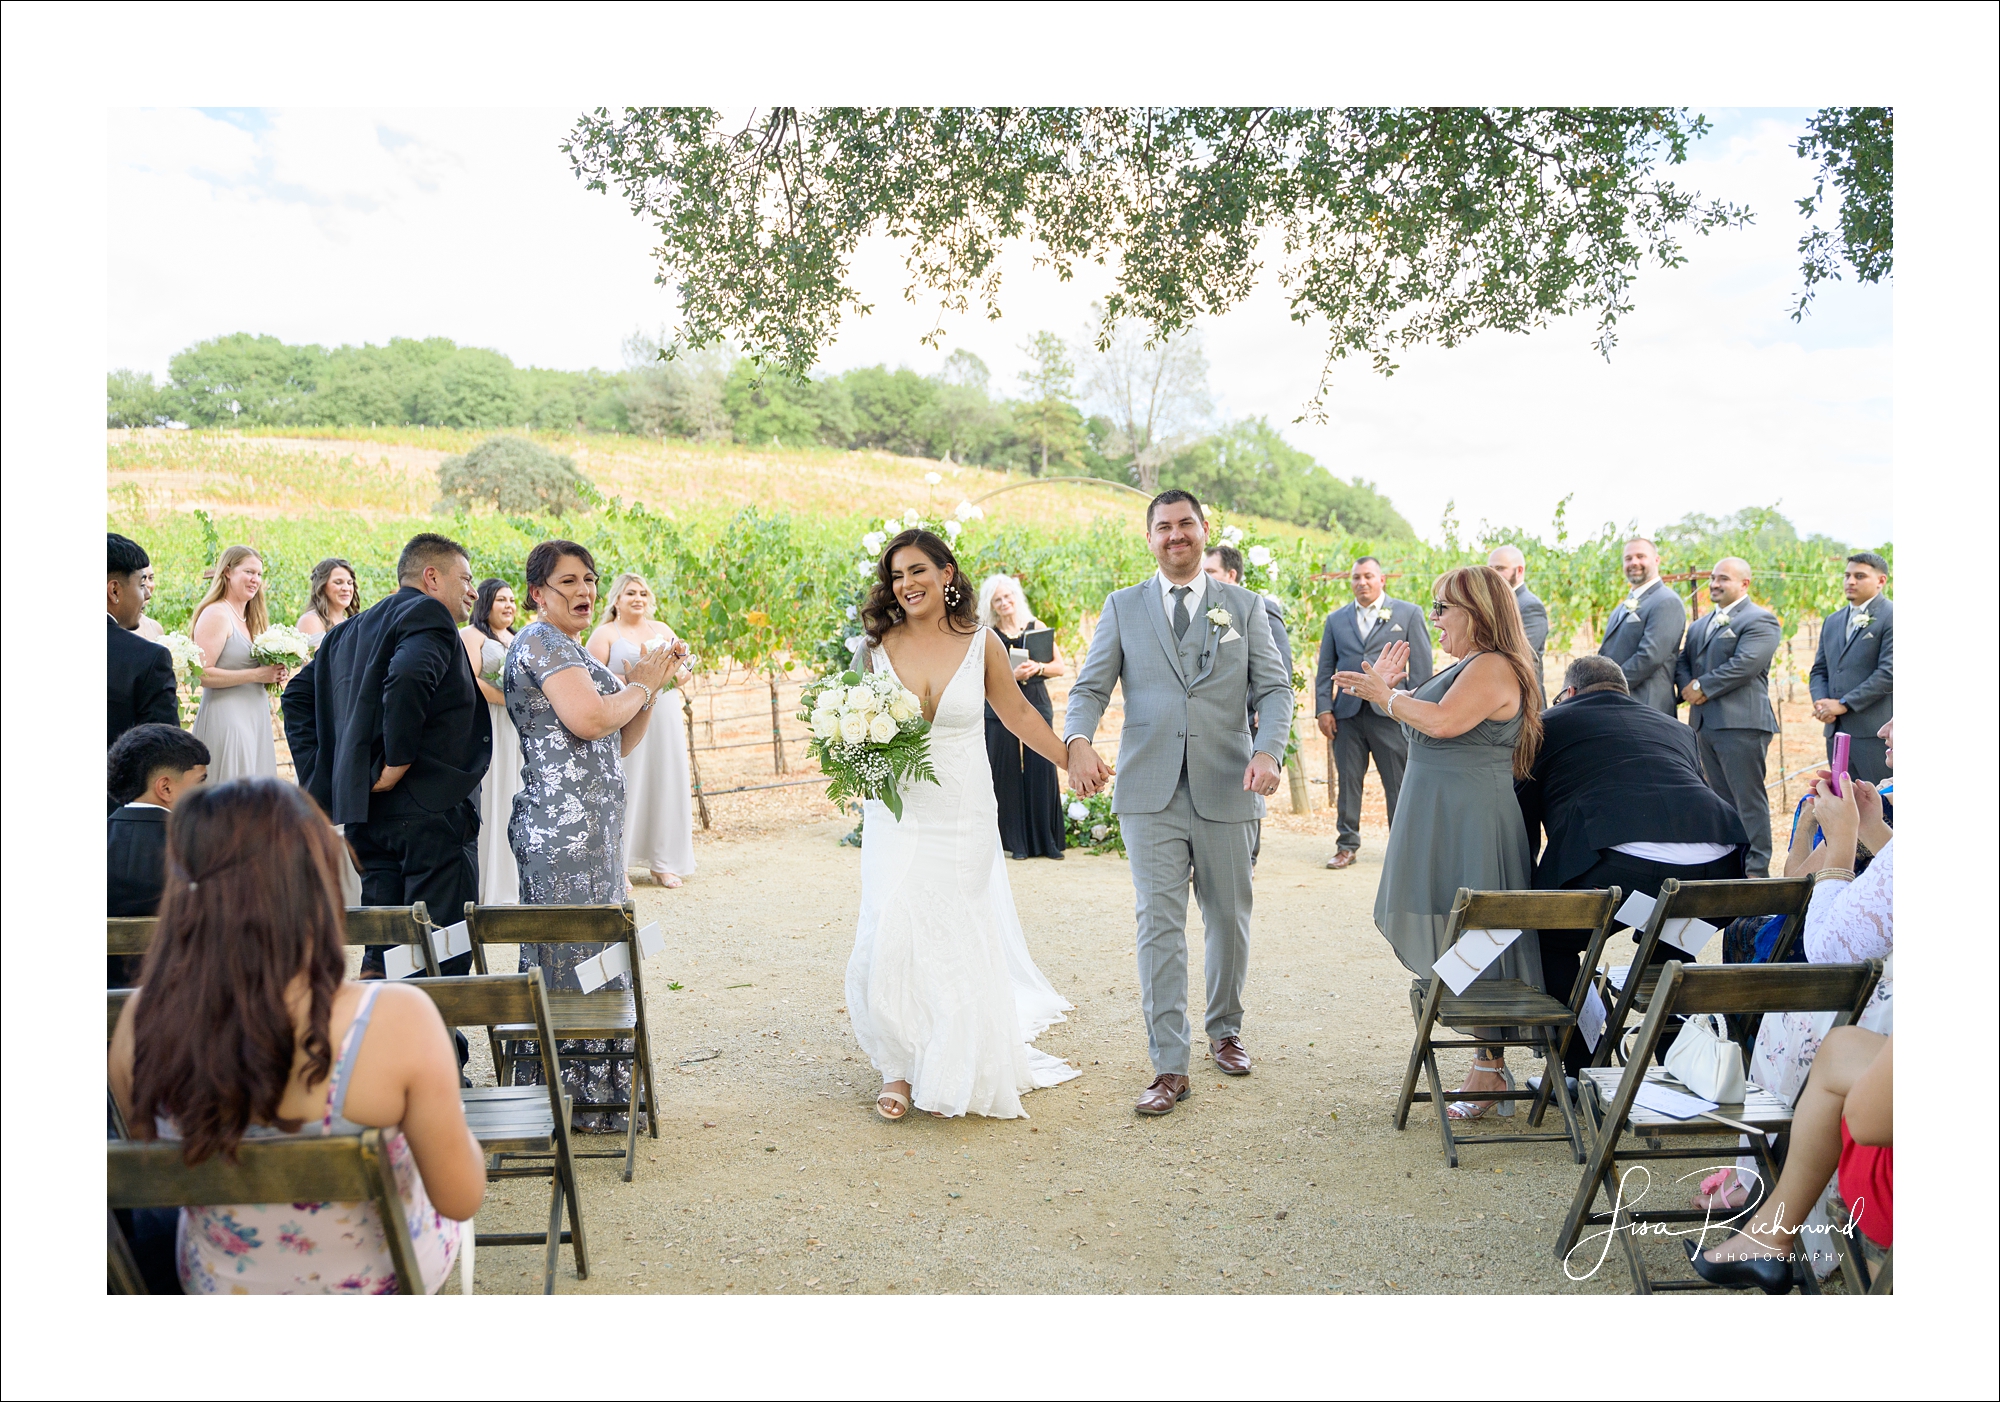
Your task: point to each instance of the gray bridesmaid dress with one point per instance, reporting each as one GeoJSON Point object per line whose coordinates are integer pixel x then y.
{"type": "Point", "coordinates": [235, 721]}
{"type": "Point", "coordinates": [1457, 823]}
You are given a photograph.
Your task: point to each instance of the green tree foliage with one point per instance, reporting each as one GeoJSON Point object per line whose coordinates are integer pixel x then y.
{"type": "Point", "coordinates": [134, 401]}
{"type": "Point", "coordinates": [1051, 422]}
{"type": "Point", "coordinates": [891, 408]}
{"type": "Point", "coordinates": [1401, 226]}
{"type": "Point", "coordinates": [964, 423]}
{"type": "Point", "coordinates": [251, 379]}
{"type": "Point", "coordinates": [773, 409]}
{"type": "Point", "coordinates": [1248, 468]}
{"type": "Point", "coordinates": [1855, 148]}
{"type": "Point", "coordinates": [470, 389]}
{"type": "Point", "coordinates": [515, 477]}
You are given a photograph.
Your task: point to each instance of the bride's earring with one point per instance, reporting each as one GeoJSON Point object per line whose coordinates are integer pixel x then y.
{"type": "Point", "coordinates": [951, 594]}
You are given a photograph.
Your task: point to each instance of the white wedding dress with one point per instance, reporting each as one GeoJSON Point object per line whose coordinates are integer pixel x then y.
{"type": "Point", "coordinates": [940, 986]}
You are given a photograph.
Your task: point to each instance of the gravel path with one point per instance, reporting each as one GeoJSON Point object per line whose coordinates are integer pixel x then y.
{"type": "Point", "coordinates": [772, 1172]}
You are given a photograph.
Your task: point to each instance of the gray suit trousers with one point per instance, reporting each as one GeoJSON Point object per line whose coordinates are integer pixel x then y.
{"type": "Point", "coordinates": [1733, 763]}
{"type": "Point", "coordinates": [1166, 848]}
{"type": "Point", "coordinates": [1356, 738]}
{"type": "Point", "coordinates": [1867, 758]}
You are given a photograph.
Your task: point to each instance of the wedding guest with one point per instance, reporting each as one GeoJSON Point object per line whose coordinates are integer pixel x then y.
{"type": "Point", "coordinates": [1808, 852]}
{"type": "Point", "coordinates": [149, 627]}
{"type": "Point", "coordinates": [1854, 666]}
{"type": "Point", "coordinates": [1618, 791]}
{"type": "Point", "coordinates": [1844, 1124]}
{"type": "Point", "coordinates": [1513, 567]}
{"type": "Point", "coordinates": [390, 734]}
{"type": "Point", "coordinates": [1724, 675]}
{"type": "Point", "coordinates": [245, 1029]}
{"type": "Point", "coordinates": [234, 720]}
{"type": "Point", "coordinates": [139, 676]}
{"type": "Point", "coordinates": [486, 640]}
{"type": "Point", "coordinates": [576, 720]}
{"type": "Point", "coordinates": [659, 803]}
{"type": "Point", "coordinates": [1025, 786]}
{"type": "Point", "coordinates": [1225, 562]}
{"type": "Point", "coordinates": [149, 768]}
{"type": "Point", "coordinates": [1644, 632]}
{"type": "Point", "coordinates": [1354, 637]}
{"type": "Point", "coordinates": [334, 597]}
{"type": "Point", "coordinates": [1473, 730]}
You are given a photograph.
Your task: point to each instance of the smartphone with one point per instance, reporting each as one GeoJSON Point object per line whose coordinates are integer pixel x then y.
{"type": "Point", "coordinates": [1842, 743]}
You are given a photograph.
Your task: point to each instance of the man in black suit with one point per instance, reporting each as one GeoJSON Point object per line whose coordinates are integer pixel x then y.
{"type": "Point", "coordinates": [138, 673]}
{"type": "Point", "coordinates": [1618, 790]}
{"type": "Point", "coordinates": [1513, 567]}
{"type": "Point", "coordinates": [1357, 633]}
{"type": "Point", "coordinates": [1724, 674]}
{"type": "Point", "coordinates": [1854, 669]}
{"type": "Point", "coordinates": [389, 732]}
{"type": "Point", "coordinates": [147, 771]}
{"type": "Point", "coordinates": [1644, 632]}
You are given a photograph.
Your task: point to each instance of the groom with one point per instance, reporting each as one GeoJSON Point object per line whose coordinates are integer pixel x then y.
{"type": "Point", "coordinates": [1194, 661]}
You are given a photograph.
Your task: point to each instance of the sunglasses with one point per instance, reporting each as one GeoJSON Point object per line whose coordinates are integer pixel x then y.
{"type": "Point", "coordinates": [1438, 608]}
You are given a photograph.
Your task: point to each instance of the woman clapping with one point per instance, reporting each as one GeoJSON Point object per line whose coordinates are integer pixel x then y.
{"type": "Point", "coordinates": [659, 816]}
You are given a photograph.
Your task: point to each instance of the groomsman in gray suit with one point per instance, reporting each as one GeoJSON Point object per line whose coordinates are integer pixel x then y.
{"type": "Point", "coordinates": [1513, 567]}
{"type": "Point", "coordinates": [1357, 633]}
{"type": "Point", "coordinates": [1853, 670]}
{"type": "Point", "coordinates": [1194, 656]}
{"type": "Point", "coordinates": [1645, 630]}
{"type": "Point", "coordinates": [1724, 674]}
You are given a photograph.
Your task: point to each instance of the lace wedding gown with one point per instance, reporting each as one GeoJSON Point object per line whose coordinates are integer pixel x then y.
{"type": "Point", "coordinates": [941, 988]}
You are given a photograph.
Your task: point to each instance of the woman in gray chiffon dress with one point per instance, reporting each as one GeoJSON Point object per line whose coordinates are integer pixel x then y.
{"type": "Point", "coordinates": [568, 826]}
{"type": "Point", "coordinates": [235, 716]}
{"type": "Point", "coordinates": [1473, 729]}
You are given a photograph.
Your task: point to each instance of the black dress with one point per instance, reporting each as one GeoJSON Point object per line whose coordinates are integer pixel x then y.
{"type": "Point", "coordinates": [1026, 786]}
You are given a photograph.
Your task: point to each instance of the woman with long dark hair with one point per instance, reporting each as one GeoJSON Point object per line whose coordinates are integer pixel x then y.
{"type": "Point", "coordinates": [943, 993]}
{"type": "Point", "coordinates": [333, 597]}
{"type": "Point", "coordinates": [245, 1028]}
{"type": "Point", "coordinates": [487, 638]}
{"type": "Point", "coordinates": [1473, 729]}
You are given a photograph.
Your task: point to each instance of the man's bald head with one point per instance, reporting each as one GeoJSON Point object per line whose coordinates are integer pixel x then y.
{"type": "Point", "coordinates": [1729, 580]}
{"type": "Point", "coordinates": [1510, 562]}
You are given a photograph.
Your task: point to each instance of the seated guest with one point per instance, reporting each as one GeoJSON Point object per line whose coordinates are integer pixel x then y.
{"type": "Point", "coordinates": [138, 673]}
{"type": "Point", "coordinates": [246, 1029]}
{"type": "Point", "coordinates": [1617, 787]}
{"type": "Point", "coordinates": [1844, 1122]}
{"type": "Point", "coordinates": [150, 767]}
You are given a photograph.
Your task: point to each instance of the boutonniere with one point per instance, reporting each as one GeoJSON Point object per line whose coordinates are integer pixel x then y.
{"type": "Point", "coordinates": [1381, 613]}
{"type": "Point", "coordinates": [1219, 616]}
{"type": "Point", "coordinates": [1862, 620]}
{"type": "Point", "coordinates": [1631, 605]}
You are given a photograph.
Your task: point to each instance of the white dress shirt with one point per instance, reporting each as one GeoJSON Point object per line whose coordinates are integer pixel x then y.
{"type": "Point", "coordinates": [1364, 615]}
{"type": "Point", "coordinates": [1197, 591]}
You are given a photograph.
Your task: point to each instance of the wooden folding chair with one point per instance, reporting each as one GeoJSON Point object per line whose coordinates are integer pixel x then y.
{"type": "Point", "coordinates": [334, 1168]}
{"type": "Point", "coordinates": [1506, 1003]}
{"type": "Point", "coordinates": [608, 1014]}
{"type": "Point", "coordinates": [366, 924]}
{"type": "Point", "coordinates": [1630, 991]}
{"type": "Point", "coordinates": [1610, 1094]}
{"type": "Point", "coordinates": [519, 1122]}
{"type": "Point", "coordinates": [127, 938]}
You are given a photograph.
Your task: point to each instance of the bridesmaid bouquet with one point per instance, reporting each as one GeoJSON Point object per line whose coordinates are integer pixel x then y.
{"type": "Point", "coordinates": [281, 645]}
{"type": "Point", "coordinates": [869, 736]}
{"type": "Point", "coordinates": [187, 657]}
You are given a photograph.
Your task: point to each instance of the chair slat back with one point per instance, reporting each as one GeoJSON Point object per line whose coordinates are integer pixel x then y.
{"type": "Point", "coordinates": [1528, 910]}
{"type": "Point", "coordinates": [333, 1168]}
{"type": "Point", "coordinates": [129, 934]}
{"type": "Point", "coordinates": [498, 1000]}
{"type": "Point", "coordinates": [1728, 900]}
{"type": "Point", "coordinates": [549, 924]}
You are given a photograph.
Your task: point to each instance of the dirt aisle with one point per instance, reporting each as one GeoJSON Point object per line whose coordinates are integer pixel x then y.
{"type": "Point", "coordinates": [772, 1172]}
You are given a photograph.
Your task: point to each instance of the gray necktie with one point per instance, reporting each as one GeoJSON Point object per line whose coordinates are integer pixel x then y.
{"type": "Point", "coordinates": [1181, 615]}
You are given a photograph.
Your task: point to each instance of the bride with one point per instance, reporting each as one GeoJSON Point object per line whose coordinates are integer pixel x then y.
{"type": "Point", "coordinates": [944, 997]}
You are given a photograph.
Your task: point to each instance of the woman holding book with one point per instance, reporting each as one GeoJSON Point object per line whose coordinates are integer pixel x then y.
{"type": "Point", "coordinates": [1026, 786]}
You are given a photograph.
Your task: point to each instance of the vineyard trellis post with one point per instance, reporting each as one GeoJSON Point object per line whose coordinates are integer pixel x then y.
{"type": "Point", "coordinates": [777, 735]}
{"type": "Point", "coordinates": [694, 761]}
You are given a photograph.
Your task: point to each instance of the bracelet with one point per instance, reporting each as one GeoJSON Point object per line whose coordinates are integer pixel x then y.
{"type": "Point", "coordinates": [1389, 706]}
{"type": "Point", "coordinates": [650, 695]}
{"type": "Point", "coordinates": [1835, 874]}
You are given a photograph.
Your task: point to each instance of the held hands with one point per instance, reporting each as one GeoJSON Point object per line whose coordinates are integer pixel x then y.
{"type": "Point", "coordinates": [1839, 815]}
{"type": "Point", "coordinates": [1262, 775]}
{"type": "Point", "coordinates": [1088, 773]}
{"type": "Point", "coordinates": [1826, 709]}
{"type": "Point", "coordinates": [1026, 671]}
{"type": "Point", "coordinates": [272, 675]}
{"type": "Point", "coordinates": [1693, 694]}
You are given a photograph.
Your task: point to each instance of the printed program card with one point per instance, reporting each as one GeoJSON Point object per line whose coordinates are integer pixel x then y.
{"type": "Point", "coordinates": [1689, 936]}
{"type": "Point", "coordinates": [592, 974]}
{"type": "Point", "coordinates": [1466, 960]}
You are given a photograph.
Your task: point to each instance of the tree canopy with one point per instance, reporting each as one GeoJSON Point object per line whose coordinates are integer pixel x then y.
{"type": "Point", "coordinates": [1856, 151]}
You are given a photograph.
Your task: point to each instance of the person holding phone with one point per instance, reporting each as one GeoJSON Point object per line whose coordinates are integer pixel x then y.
{"type": "Point", "coordinates": [1026, 786]}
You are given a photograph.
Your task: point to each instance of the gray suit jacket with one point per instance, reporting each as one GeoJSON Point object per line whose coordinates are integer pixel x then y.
{"type": "Point", "coordinates": [1860, 671]}
{"type": "Point", "coordinates": [1733, 665]}
{"type": "Point", "coordinates": [1534, 622]}
{"type": "Point", "coordinates": [1645, 646]}
{"type": "Point", "coordinates": [1341, 650]}
{"type": "Point", "coordinates": [1198, 718]}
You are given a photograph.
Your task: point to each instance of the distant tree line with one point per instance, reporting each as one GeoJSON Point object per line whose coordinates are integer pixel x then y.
{"type": "Point", "coordinates": [1140, 414]}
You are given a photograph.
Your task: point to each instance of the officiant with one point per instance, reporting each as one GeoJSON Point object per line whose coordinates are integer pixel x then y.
{"type": "Point", "coordinates": [1026, 786]}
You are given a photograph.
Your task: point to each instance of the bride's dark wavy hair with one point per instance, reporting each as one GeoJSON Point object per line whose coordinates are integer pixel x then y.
{"type": "Point", "coordinates": [880, 612]}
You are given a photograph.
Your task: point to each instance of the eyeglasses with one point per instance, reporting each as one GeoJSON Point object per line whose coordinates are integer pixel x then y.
{"type": "Point", "coordinates": [1438, 607]}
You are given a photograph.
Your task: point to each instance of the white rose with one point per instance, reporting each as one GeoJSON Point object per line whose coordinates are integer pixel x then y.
{"type": "Point", "coordinates": [1078, 812]}
{"type": "Point", "coordinates": [898, 710]}
{"type": "Point", "coordinates": [860, 700]}
{"type": "Point", "coordinates": [881, 729]}
{"type": "Point", "coordinates": [932, 478]}
{"type": "Point", "coordinates": [1231, 534]}
{"type": "Point", "coordinates": [1098, 832]}
{"type": "Point", "coordinates": [1259, 555]}
{"type": "Point", "coordinates": [952, 528]}
{"type": "Point", "coordinates": [853, 728]}
{"type": "Point", "coordinates": [825, 724]}
{"type": "Point", "coordinates": [911, 517]}
{"type": "Point", "coordinates": [872, 542]}
{"type": "Point", "coordinates": [853, 612]}
{"type": "Point", "coordinates": [969, 511]}
{"type": "Point", "coordinates": [864, 567]}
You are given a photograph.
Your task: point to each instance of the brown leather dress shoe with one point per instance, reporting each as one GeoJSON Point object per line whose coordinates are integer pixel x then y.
{"type": "Point", "coordinates": [1230, 1057]}
{"type": "Point", "coordinates": [1341, 860]}
{"type": "Point", "coordinates": [1161, 1096]}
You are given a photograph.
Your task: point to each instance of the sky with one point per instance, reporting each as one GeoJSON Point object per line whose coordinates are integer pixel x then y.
{"type": "Point", "coordinates": [345, 225]}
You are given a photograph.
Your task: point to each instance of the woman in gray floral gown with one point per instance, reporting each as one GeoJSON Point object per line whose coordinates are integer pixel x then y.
{"type": "Point", "coordinates": [575, 719]}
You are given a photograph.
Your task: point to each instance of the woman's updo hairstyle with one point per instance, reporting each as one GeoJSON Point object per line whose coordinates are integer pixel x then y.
{"type": "Point", "coordinates": [880, 612]}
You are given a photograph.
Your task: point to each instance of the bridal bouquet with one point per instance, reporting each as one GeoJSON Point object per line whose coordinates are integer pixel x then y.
{"type": "Point", "coordinates": [869, 736]}
{"type": "Point", "coordinates": [281, 645]}
{"type": "Point", "coordinates": [186, 653]}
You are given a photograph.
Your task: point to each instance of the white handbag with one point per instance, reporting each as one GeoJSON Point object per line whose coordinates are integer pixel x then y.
{"type": "Point", "coordinates": [1704, 1060]}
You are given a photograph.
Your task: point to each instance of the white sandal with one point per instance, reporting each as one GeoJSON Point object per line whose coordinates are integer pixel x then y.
{"type": "Point", "coordinates": [1474, 1109]}
{"type": "Point", "coordinates": [899, 1100]}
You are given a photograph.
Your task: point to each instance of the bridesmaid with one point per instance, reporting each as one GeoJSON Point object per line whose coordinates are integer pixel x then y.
{"type": "Point", "coordinates": [335, 598]}
{"type": "Point", "coordinates": [659, 807]}
{"type": "Point", "coordinates": [487, 639]}
{"type": "Point", "coordinates": [1025, 785]}
{"type": "Point", "coordinates": [235, 716]}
